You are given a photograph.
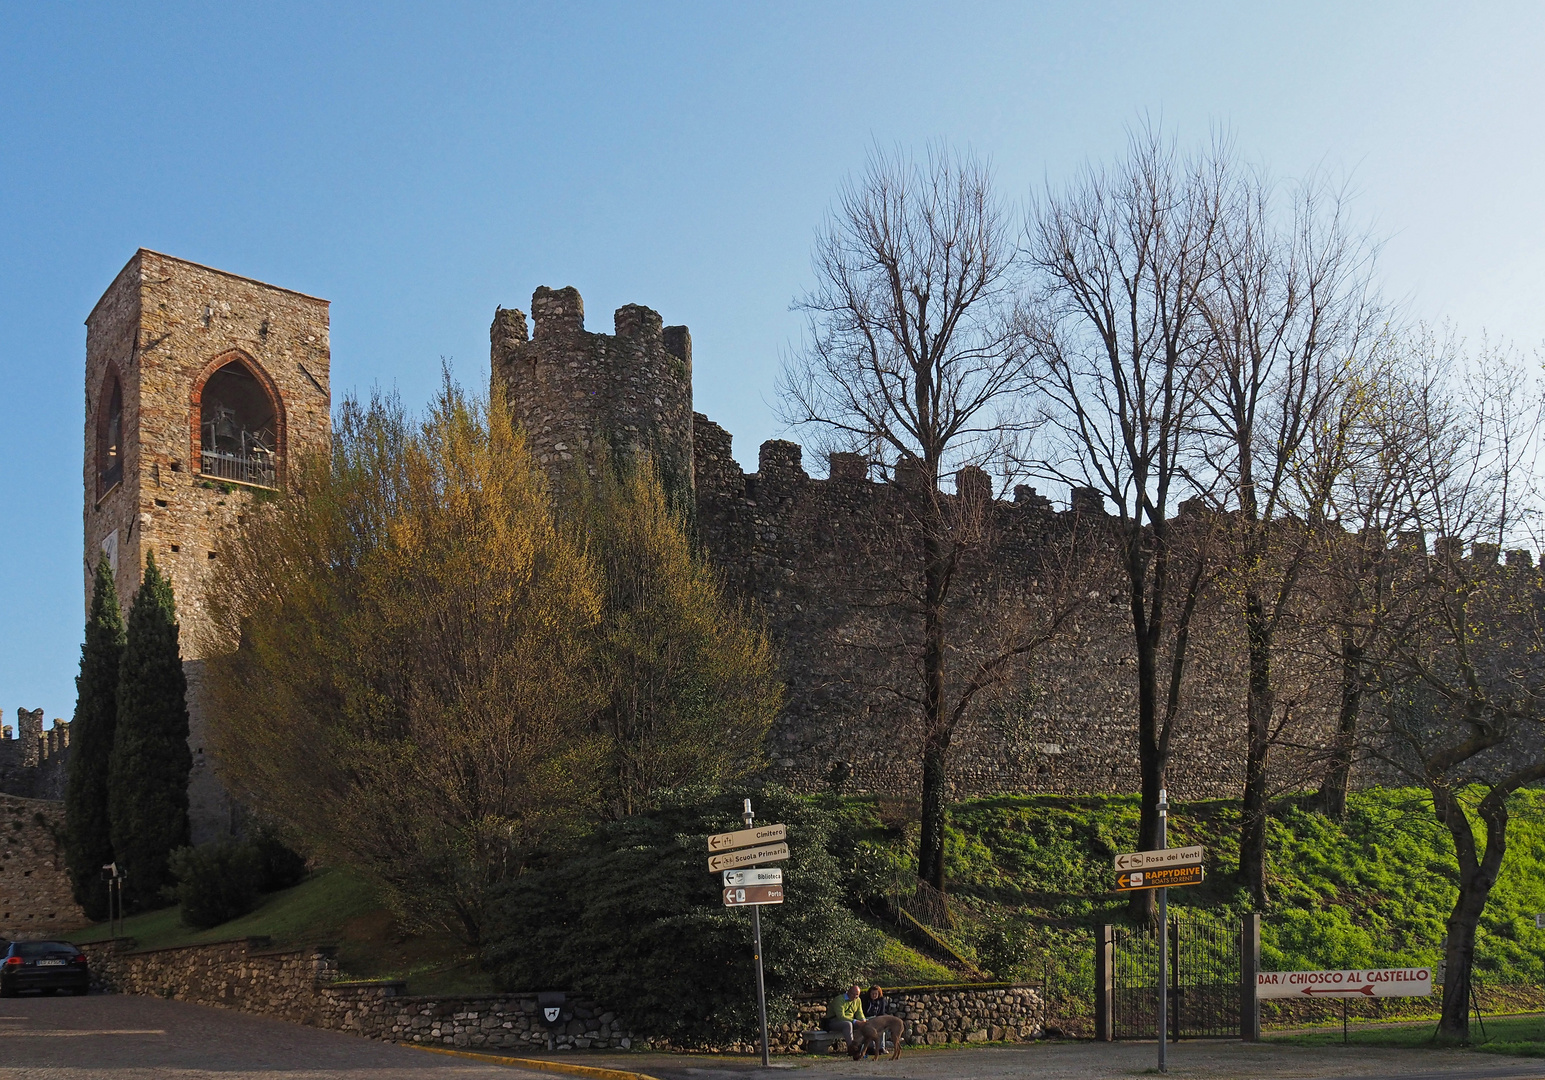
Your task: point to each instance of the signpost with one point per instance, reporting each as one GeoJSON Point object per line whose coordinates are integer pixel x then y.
{"type": "Point", "coordinates": [736, 878]}
{"type": "Point", "coordinates": [1159, 879]}
{"type": "Point", "coordinates": [1146, 860]}
{"type": "Point", "coordinates": [731, 860]}
{"type": "Point", "coordinates": [1353, 983]}
{"type": "Point", "coordinates": [727, 841]}
{"type": "Point", "coordinates": [1345, 985]}
{"type": "Point", "coordinates": [748, 885]}
{"type": "Point", "coordinates": [1159, 869]}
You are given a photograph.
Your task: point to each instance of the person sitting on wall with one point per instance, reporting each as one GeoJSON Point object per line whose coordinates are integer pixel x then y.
{"type": "Point", "coordinates": [843, 1011]}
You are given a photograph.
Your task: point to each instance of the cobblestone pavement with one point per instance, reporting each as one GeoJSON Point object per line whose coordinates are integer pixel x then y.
{"type": "Point", "coordinates": [119, 1037]}
{"type": "Point", "coordinates": [1096, 1061]}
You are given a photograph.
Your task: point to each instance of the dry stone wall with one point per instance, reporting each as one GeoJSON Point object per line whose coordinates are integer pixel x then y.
{"type": "Point", "coordinates": [302, 985]}
{"type": "Point", "coordinates": [35, 896]}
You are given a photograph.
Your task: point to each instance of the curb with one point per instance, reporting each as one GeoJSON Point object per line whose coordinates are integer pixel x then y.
{"type": "Point", "coordinates": [540, 1064]}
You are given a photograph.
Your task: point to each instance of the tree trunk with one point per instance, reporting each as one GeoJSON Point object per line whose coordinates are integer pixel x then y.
{"type": "Point", "coordinates": [936, 736]}
{"type": "Point", "coordinates": [1459, 955]}
{"type": "Point", "coordinates": [1259, 704]}
{"type": "Point", "coordinates": [1338, 777]}
{"type": "Point", "coordinates": [1150, 758]}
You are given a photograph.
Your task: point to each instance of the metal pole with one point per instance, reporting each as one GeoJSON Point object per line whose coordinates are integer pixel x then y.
{"type": "Point", "coordinates": [1163, 940]}
{"type": "Point", "coordinates": [756, 949]}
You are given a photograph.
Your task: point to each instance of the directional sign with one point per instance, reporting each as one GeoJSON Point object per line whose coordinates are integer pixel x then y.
{"type": "Point", "coordinates": [1360, 982]}
{"type": "Point", "coordinates": [753, 894]}
{"type": "Point", "coordinates": [766, 834]}
{"type": "Point", "coordinates": [1175, 856]}
{"type": "Point", "coordinates": [1163, 878]}
{"type": "Point", "coordinates": [1539, 921]}
{"type": "Point", "coordinates": [733, 860]}
{"type": "Point", "coordinates": [738, 878]}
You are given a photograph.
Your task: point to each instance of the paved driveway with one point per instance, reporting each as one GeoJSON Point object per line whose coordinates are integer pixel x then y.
{"type": "Point", "coordinates": [1199, 1060]}
{"type": "Point", "coordinates": [118, 1037]}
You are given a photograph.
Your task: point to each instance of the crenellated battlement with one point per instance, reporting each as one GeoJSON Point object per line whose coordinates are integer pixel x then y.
{"type": "Point", "coordinates": [578, 394]}
{"type": "Point", "coordinates": [34, 764]}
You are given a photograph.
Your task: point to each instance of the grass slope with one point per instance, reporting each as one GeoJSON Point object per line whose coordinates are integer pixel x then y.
{"type": "Point", "coordinates": [1374, 890]}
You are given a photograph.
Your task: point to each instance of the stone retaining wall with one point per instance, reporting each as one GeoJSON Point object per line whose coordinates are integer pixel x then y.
{"type": "Point", "coordinates": [302, 986]}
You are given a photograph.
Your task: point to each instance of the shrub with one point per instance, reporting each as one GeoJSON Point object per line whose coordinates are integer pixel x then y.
{"type": "Point", "coordinates": [216, 882]}
{"type": "Point", "coordinates": [282, 867]}
{"type": "Point", "coordinates": [635, 920]}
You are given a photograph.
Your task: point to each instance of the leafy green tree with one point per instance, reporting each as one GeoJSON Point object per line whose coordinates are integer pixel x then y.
{"type": "Point", "coordinates": [148, 771]}
{"type": "Point", "coordinates": [687, 678]}
{"type": "Point", "coordinates": [635, 920]}
{"type": "Point", "coordinates": [217, 882]}
{"type": "Point", "coordinates": [403, 686]}
{"type": "Point", "coordinates": [88, 834]}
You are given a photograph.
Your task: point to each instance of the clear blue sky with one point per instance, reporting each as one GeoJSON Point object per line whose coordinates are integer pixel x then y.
{"type": "Point", "coordinates": [419, 165]}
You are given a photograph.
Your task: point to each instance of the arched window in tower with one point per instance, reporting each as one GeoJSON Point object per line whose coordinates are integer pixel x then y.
{"type": "Point", "coordinates": [110, 436]}
{"type": "Point", "coordinates": [237, 424]}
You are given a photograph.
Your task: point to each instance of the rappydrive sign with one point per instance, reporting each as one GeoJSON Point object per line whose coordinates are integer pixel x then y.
{"type": "Point", "coordinates": [733, 860]}
{"type": "Point", "coordinates": [1351, 983]}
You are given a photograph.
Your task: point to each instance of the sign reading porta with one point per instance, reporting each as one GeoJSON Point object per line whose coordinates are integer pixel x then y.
{"type": "Point", "coordinates": [1355, 983]}
{"type": "Point", "coordinates": [753, 894]}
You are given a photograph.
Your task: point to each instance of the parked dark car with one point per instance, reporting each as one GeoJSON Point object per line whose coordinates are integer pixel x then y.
{"type": "Point", "coordinates": [45, 966]}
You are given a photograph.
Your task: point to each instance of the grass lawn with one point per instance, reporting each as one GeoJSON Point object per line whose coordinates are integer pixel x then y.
{"type": "Point", "coordinates": [336, 907]}
{"type": "Point", "coordinates": [329, 907]}
{"type": "Point", "coordinates": [1521, 1036]}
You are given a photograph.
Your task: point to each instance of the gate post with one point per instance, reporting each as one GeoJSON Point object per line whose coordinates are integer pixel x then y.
{"type": "Point", "coordinates": [1249, 966]}
{"type": "Point", "coordinates": [1104, 966]}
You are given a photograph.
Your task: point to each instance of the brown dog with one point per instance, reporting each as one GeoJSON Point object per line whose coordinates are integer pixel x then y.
{"type": "Point", "coordinates": [866, 1036]}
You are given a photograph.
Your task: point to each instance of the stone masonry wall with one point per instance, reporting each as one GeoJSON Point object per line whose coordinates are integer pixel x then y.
{"type": "Point", "coordinates": [302, 986]}
{"type": "Point", "coordinates": [162, 328]}
{"type": "Point", "coordinates": [36, 763]}
{"type": "Point", "coordinates": [576, 392]}
{"type": "Point", "coordinates": [35, 897]}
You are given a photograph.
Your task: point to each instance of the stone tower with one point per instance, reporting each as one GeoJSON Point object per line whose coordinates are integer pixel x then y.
{"type": "Point", "coordinates": [576, 393]}
{"type": "Point", "coordinates": [201, 388]}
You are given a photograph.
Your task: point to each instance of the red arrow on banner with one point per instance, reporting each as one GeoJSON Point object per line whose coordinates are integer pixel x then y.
{"type": "Point", "coordinates": [1366, 990]}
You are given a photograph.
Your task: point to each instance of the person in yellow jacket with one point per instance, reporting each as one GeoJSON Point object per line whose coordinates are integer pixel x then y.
{"type": "Point", "coordinates": [845, 1010]}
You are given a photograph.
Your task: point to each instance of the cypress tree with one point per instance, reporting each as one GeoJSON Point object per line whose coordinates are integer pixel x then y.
{"type": "Point", "coordinates": [88, 839]}
{"type": "Point", "coordinates": [148, 775]}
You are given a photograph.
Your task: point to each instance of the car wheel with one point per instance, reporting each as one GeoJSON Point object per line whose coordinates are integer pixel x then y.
{"type": "Point", "coordinates": [48, 991]}
{"type": "Point", "coordinates": [81, 991]}
{"type": "Point", "coordinates": [6, 989]}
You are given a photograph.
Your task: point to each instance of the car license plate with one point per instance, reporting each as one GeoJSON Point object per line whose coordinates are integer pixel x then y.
{"type": "Point", "coordinates": [50, 963]}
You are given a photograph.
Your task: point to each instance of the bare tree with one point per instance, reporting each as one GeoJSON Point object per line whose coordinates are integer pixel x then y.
{"type": "Point", "coordinates": [1123, 258]}
{"type": "Point", "coordinates": [914, 359]}
{"type": "Point", "coordinates": [1363, 455]}
{"type": "Point", "coordinates": [1286, 306]}
{"type": "Point", "coordinates": [1463, 681]}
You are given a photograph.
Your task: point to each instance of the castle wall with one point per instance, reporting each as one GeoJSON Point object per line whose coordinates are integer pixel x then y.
{"type": "Point", "coordinates": [576, 393]}
{"type": "Point", "coordinates": [35, 898]}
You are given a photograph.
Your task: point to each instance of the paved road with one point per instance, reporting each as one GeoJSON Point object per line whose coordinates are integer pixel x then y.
{"type": "Point", "coordinates": [1199, 1060]}
{"type": "Point", "coordinates": [118, 1037]}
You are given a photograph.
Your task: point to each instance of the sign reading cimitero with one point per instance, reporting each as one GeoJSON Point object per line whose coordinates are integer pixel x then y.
{"type": "Point", "coordinates": [1353, 983]}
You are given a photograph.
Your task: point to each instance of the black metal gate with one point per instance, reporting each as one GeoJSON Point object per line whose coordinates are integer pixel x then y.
{"type": "Point", "coordinates": [1204, 978]}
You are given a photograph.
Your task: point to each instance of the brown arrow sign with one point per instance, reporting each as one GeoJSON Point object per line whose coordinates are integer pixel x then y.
{"type": "Point", "coordinates": [764, 834]}
{"type": "Point", "coordinates": [734, 860]}
{"type": "Point", "coordinates": [753, 894]}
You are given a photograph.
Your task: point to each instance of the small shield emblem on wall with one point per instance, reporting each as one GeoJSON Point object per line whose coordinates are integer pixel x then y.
{"type": "Point", "coordinates": [552, 1014]}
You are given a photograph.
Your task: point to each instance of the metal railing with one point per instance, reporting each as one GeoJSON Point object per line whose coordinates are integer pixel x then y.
{"type": "Point", "coordinates": [243, 468]}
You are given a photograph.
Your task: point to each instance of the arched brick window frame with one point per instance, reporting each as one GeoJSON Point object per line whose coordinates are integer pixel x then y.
{"type": "Point", "coordinates": [196, 408]}
{"type": "Point", "coordinates": [109, 475]}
